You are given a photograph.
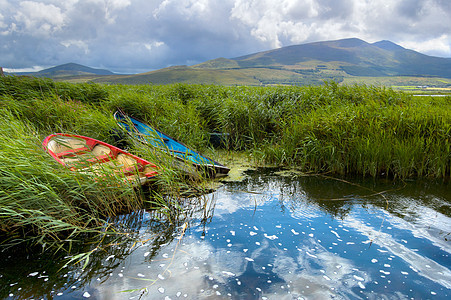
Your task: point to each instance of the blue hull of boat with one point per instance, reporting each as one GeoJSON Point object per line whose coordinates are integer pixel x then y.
{"type": "Point", "coordinates": [151, 136]}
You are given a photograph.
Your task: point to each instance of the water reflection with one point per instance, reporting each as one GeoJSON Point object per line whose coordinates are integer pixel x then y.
{"type": "Point", "coordinates": [284, 237]}
{"type": "Point", "coordinates": [38, 273]}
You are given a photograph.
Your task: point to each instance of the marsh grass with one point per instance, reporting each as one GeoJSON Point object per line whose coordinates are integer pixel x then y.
{"type": "Point", "coordinates": [329, 129]}
{"type": "Point", "coordinates": [43, 202]}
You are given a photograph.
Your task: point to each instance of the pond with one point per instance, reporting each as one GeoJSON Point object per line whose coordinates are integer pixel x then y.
{"type": "Point", "coordinates": [273, 235]}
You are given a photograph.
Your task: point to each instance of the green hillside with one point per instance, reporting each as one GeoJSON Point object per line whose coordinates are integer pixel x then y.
{"type": "Point", "coordinates": [68, 70]}
{"type": "Point", "coordinates": [347, 60]}
{"type": "Point", "coordinates": [307, 64]}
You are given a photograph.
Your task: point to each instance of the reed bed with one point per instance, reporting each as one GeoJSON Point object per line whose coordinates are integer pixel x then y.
{"type": "Point", "coordinates": [346, 130]}
{"type": "Point", "coordinates": [41, 202]}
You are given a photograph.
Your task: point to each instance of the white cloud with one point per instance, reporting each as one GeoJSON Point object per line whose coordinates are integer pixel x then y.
{"type": "Point", "coordinates": [31, 69]}
{"type": "Point", "coordinates": [112, 7]}
{"type": "Point", "coordinates": [279, 23]}
{"type": "Point", "coordinates": [440, 46]}
{"type": "Point", "coordinates": [39, 19]}
{"type": "Point", "coordinates": [187, 8]}
{"type": "Point", "coordinates": [76, 43]}
{"type": "Point", "coordinates": [147, 35]}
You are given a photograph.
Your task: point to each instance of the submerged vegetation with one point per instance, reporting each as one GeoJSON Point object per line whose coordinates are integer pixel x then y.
{"type": "Point", "coordinates": [343, 130]}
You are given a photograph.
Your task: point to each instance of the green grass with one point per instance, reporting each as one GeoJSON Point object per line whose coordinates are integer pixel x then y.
{"type": "Point", "coordinates": [41, 202]}
{"type": "Point", "coordinates": [342, 130]}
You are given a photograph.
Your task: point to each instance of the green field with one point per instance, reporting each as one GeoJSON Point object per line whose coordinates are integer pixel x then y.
{"type": "Point", "coordinates": [340, 130]}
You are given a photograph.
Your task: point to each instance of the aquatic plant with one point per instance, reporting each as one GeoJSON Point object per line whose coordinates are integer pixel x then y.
{"type": "Point", "coordinates": [358, 130]}
{"type": "Point", "coordinates": [366, 130]}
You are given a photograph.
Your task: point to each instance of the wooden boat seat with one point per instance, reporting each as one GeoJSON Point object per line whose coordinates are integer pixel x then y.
{"type": "Point", "coordinates": [100, 150]}
{"type": "Point", "coordinates": [128, 164]}
{"type": "Point", "coordinates": [125, 160]}
{"type": "Point", "coordinates": [83, 155]}
{"type": "Point", "coordinates": [67, 146]}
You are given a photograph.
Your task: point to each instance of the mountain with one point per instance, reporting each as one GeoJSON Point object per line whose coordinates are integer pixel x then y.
{"type": "Point", "coordinates": [345, 60]}
{"type": "Point", "coordinates": [68, 70]}
{"type": "Point", "coordinates": [387, 45]}
{"type": "Point", "coordinates": [73, 69]}
{"type": "Point", "coordinates": [353, 56]}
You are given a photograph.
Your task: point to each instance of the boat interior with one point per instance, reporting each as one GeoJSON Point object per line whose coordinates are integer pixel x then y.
{"type": "Point", "coordinates": [85, 156]}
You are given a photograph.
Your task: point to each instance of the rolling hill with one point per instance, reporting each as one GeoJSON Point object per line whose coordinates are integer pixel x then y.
{"type": "Point", "coordinates": [68, 70]}
{"type": "Point", "coordinates": [342, 60]}
{"type": "Point", "coordinates": [353, 56]}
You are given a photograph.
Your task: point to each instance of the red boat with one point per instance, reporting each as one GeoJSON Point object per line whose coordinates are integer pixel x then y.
{"type": "Point", "coordinates": [80, 153]}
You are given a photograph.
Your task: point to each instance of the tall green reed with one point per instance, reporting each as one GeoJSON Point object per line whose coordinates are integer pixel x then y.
{"type": "Point", "coordinates": [42, 202]}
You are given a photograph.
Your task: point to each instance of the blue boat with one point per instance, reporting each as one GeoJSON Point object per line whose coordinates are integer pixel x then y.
{"type": "Point", "coordinates": [151, 136]}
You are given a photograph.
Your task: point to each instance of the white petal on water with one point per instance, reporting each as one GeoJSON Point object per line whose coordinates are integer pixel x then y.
{"type": "Point", "coordinates": [161, 290]}
{"type": "Point", "coordinates": [294, 232]}
{"type": "Point", "coordinates": [245, 250]}
{"type": "Point", "coordinates": [86, 295]}
{"type": "Point", "coordinates": [146, 254]}
{"type": "Point", "coordinates": [374, 260]}
{"type": "Point", "coordinates": [141, 275]}
{"type": "Point", "coordinates": [248, 259]}
{"type": "Point", "coordinates": [252, 233]}
{"type": "Point", "coordinates": [361, 285]}
{"type": "Point", "coordinates": [271, 237]}
{"type": "Point", "coordinates": [161, 276]}
{"type": "Point", "coordinates": [359, 278]}
{"type": "Point", "coordinates": [255, 228]}
{"type": "Point", "coordinates": [338, 236]}
{"type": "Point", "coordinates": [228, 273]}
{"type": "Point", "coordinates": [232, 232]}
{"type": "Point", "coordinates": [33, 274]}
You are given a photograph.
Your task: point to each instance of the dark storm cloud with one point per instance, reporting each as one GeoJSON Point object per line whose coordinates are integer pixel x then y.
{"type": "Point", "coordinates": [140, 35]}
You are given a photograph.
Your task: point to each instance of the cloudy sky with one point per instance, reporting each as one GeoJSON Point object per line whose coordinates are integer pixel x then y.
{"type": "Point", "coordinates": [134, 36]}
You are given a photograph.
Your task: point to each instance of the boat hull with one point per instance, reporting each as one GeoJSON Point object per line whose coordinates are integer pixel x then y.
{"type": "Point", "coordinates": [155, 138]}
{"type": "Point", "coordinates": [85, 154]}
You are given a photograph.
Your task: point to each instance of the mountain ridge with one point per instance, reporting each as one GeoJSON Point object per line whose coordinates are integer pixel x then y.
{"type": "Point", "coordinates": [303, 64]}
{"type": "Point", "coordinates": [68, 69]}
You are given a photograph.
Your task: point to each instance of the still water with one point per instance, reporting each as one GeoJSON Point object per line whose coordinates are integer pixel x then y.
{"type": "Point", "coordinates": [273, 235]}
